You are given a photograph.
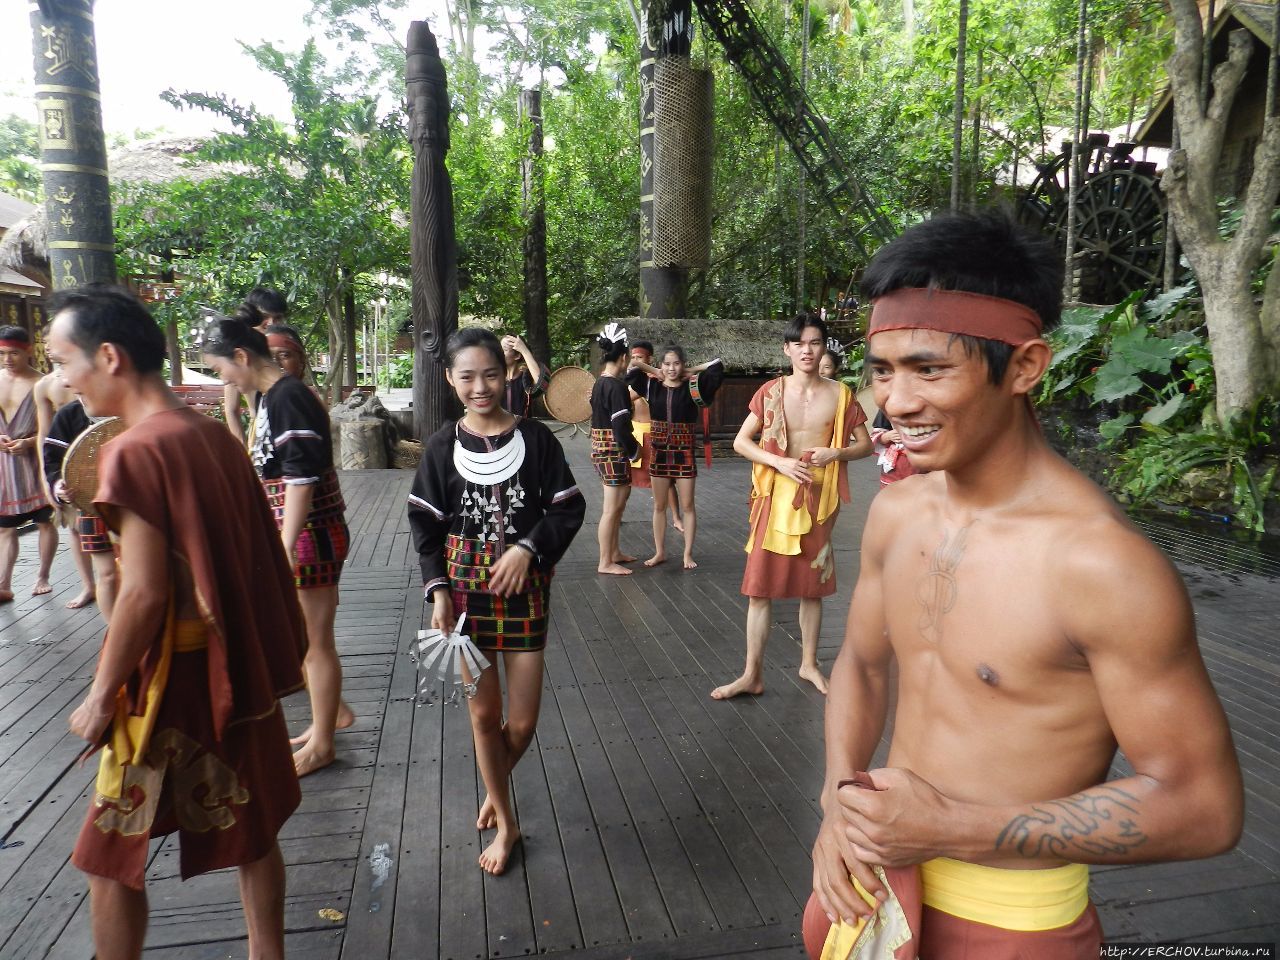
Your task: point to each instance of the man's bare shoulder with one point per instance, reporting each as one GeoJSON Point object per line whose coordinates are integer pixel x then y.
{"type": "Point", "coordinates": [1100, 554]}
{"type": "Point", "coordinates": [903, 504]}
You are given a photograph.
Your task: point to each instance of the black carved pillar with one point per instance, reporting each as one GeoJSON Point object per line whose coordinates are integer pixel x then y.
{"type": "Point", "coordinates": [534, 210]}
{"type": "Point", "coordinates": [664, 29]}
{"type": "Point", "coordinates": [73, 152]}
{"type": "Point", "coordinates": [432, 247]}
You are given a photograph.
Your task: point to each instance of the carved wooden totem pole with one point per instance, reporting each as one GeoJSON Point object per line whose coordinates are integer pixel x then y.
{"type": "Point", "coordinates": [73, 152]}
{"type": "Point", "coordinates": [432, 248]}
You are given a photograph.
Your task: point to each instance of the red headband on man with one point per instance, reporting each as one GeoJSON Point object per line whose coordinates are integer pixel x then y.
{"type": "Point", "coordinates": [14, 345]}
{"type": "Point", "coordinates": [956, 312]}
{"type": "Point", "coordinates": [282, 341]}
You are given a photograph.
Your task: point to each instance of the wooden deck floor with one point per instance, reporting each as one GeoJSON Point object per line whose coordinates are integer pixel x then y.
{"type": "Point", "coordinates": [658, 823]}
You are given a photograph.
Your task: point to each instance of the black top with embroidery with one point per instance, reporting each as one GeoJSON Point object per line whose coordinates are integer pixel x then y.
{"type": "Point", "coordinates": [68, 423]}
{"type": "Point", "coordinates": [534, 501]}
{"type": "Point", "coordinates": [291, 439]}
{"type": "Point", "coordinates": [677, 404]}
{"type": "Point", "coordinates": [518, 392]}
{"type": "Point", "coordinates": [611, 410]}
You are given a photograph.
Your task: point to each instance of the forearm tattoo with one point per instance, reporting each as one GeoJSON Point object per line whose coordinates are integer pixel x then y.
{"type": "Point", "coordinates": [938, 590]}
{"type": "Point", "coordinates": [1100, 822]}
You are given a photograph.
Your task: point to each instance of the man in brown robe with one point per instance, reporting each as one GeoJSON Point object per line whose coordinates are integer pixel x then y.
{"type": "Point", "coordinates": [206, 636]}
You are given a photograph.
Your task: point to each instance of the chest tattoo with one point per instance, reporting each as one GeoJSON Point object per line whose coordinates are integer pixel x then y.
{"type": "Point", "coordinates": [939, 588]}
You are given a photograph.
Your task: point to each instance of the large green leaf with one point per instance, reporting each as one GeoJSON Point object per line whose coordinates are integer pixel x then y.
{"type": "Point", "coordinates": [1115, 428]}
{"type": "Point", "coordinates": [1162, 412]}
{"type": "Point", "coordinates": [1145, 352]}
{"type": "Point", "coordinates": [1116, 379]}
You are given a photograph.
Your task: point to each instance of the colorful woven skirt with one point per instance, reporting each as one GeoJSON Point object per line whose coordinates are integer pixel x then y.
{"type": "Point", "coordinates": [92, 531]}
{"type": "Point", "coordinates": [610, 462]}
{"type": "Point", "coordinates": [512, 624]}
{"type": "Point", "coordinates": [673, 455]}
{"type": "Point", "coordinates": [323, 545]}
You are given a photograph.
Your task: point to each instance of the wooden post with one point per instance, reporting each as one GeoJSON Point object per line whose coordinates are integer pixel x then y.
{"type": "Point", "coordinates": [534, 210]}
{"type": "Point", "coordinates": [432, 246]}
{"type": "Point", "coordinates": [957, 131]}
{"type": "Point", "coordinates": [73, 152]}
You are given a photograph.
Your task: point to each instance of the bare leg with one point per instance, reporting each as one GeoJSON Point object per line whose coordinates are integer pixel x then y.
{"type": "Point", "coordinates": [497, 749]}
{"type": "Point", "coordinates": [48, 538]}
{"type": "Point", "coordinates": [107, 577]}
{"type": "Point", "coordinates": [8, 557]}
{"type": "Point", "coordinates": [324, 678]}
{"type": "Point", "coordinates": [262, 894]}
{"type": "Point", "coordinates": [346, 717]}
{"type": "Point", "coordinates": [685, 487]}
{"type": "Point", "coordinates": [673, 503]}
{"type": "Point", "coordinates": [759, 612]}
{"type": "Point", "coordinates": [810, 627]}
{"type": "Point", "coordinates": [84, 567]}
{"type": "Point", "coordinates": [119, 919]}
{"type": "Point", "coordinates": [524, 702]}
{"type": "Point", "coordinates": [608, 533]}
{"type": "Point", "coordinates": [661, 493]}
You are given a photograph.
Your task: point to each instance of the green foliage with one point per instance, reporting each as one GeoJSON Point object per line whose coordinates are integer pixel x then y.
{"type": "Point", "coordinates": [20, 158]}
{"type": "Point", "coordinates": [306, 208]}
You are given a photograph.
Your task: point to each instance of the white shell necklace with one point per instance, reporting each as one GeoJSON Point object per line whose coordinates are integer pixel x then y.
{"type": "Point", "coordinates": [489, 467]}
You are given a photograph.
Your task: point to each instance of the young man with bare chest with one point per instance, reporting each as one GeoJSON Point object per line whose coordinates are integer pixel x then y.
{"type": "Point", "coordinates": [22, 496]}
{"type": "Point", "coordinates": [809, 428]}
{"type": "Point", "coordinates": [1035, 630]}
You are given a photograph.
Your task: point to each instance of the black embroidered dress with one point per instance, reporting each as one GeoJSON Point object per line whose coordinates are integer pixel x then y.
{"type": "Point", "coordinates": [673, 412]}
{"type": "Point", "coordinates": [613, 445]}
{"type": "Point", "coordinates": [474, 498]}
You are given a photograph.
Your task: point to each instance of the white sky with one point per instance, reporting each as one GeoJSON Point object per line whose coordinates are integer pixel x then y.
{"type": "Point", "coordinates": [146, 46]}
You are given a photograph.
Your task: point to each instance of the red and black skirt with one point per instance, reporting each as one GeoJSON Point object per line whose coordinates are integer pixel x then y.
{"type": "Point", "coordinates": [92, 531]}
{"type": "Point", "coordinates": [608, 458]}
{"type": "Point", "coordinates": [673, 454]}
{"type": "Point", "coordinates": [517, 623]}
{"type": "Point", "coordinates": [323, 545]}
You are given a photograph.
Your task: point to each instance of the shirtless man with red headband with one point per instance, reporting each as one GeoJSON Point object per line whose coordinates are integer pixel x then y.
{"type": "Point", "coordinates": [1035, 631]}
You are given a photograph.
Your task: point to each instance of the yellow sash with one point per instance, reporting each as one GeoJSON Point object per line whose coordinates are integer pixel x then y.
{"type": "Point", "coordinates": [786, 523]}
{"type": "Point", "coordinates": [639, 428]}
{"type": "Point", "coordinates": [131, 734]}
{"type": "Point", "coordinates": [1025, 900]}
{"type": "Point", "coordinates": [1009, 899]}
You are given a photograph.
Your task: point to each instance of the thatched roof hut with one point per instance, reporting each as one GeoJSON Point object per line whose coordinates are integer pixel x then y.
{"type": "Point", "coordinates": [162, 160]}
{"type": "Point", "coordinates": [745, 346]}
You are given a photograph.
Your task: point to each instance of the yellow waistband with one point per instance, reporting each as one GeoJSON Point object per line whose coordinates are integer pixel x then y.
{"type": "Point", "coordinates": [1009, 899]}
{"type": "Point", "coordinates": [189, 635]}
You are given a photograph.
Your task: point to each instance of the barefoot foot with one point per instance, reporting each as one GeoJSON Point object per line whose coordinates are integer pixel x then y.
{"type": "Point", "coordinates": [814, 676]}
{"type": "Point", "coordinates": [488, 818]}
{"type": "Point", "coordinates": [624, 558]}
{"type": "Point", "coordinates": [303, 737]}
{"type": "Point", "coordinates": [656, 559]}
{"type": "Point", "coordinates": [690, 563]}
{"type": "Point", "coordinates": [743, 684]}
{"type": "Point", "coordinates": [6, 596]}
{"type": "Point", "coordinates": [495, 856]}
{"type": "Point", "coordinates": [41, 588]}
{"type": "Point", "coordinates": [616, 569]}
{"type": "Point", "coordinates": [83, 599]}
{"type": "Point", "coordinates": [310, 759]}
{"type": "Point", "coordinates": [678, 524]}
{"type": "Point", "coordinates": [346, 716]}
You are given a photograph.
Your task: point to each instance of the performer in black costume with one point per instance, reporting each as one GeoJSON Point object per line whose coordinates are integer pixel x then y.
{"type": "Point", "coordinates": [675, 398]}
{"type": "Point", "coordinates": [493, 507]}
{"type": "Point", "coordinates": [613, 446]}
{"type": "Point", "coordinates": [526, 377]}
{"type": "Point", "coordinates": [291, 446]}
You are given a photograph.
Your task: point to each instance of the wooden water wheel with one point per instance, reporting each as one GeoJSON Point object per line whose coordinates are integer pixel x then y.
{"type": "Point", "coordinates": [1120, 218]}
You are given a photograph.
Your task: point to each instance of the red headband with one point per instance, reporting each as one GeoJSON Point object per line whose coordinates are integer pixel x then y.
{"type": "Point", "coordinates": [15, 345]}
{"type": "Point", "coordinates": [281, 341]}
{"type": "Point", "coordinates": [956, 312]}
